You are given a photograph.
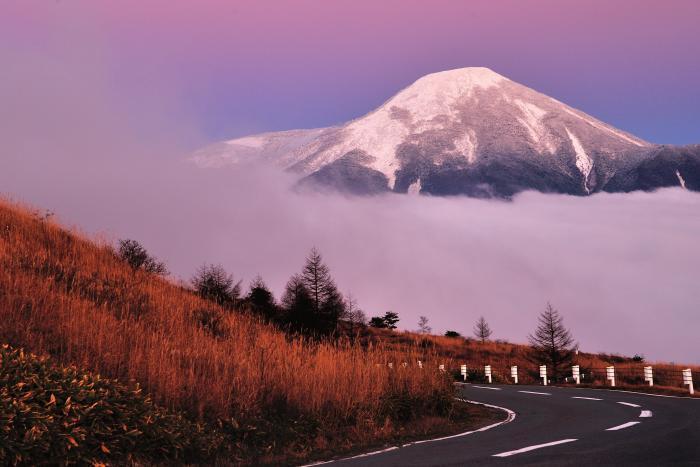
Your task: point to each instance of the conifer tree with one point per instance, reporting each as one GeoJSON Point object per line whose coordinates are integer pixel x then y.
{"type": "Point", "coordinates": [482, 330]}
{"type": "Point", "coordinates": [261, 301]}
{"type": "Point", "coordinates": [552, 344]}
{"type": "Point", "coordinates": [311, 300]}
{"type": "Point", "coordinates": [423, 327]}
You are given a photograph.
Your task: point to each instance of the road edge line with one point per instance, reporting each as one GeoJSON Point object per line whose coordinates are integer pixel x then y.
{"type": "Point", "coordinates": [510, 416]}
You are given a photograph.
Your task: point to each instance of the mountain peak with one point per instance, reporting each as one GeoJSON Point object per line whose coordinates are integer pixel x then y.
{"type": "Point", "coordinates": [477, 75]}
{"type": "Point", "coordinates": [443, 88]}
{"type": "Point", "coordinates": [464, 131]}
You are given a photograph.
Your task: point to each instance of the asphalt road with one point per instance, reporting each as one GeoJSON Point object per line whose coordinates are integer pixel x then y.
{"type": "Point", "coordinates": [589, 427]}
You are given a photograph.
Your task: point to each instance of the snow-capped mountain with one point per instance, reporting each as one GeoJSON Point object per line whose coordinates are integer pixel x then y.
{"type": "Point", "coordinates": [468, 131]}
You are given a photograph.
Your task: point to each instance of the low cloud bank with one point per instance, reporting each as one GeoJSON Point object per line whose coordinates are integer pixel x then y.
{"type": "Point", "coordinates": [621, 268]}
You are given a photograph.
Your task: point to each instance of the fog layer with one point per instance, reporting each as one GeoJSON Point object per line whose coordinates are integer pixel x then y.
{"type": "Point", "coordinates": [621, 268]}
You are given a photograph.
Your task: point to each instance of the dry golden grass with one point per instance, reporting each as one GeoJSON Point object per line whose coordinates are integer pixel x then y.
{"type": "Point", "coordinates": [454, 352]}
{"type": "Point", "coordinates": [69, 297]}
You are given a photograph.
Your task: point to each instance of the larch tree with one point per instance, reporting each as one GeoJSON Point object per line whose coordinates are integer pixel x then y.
{"type": "Point", "coordinates": [353, 313]}
{"type": "Point", "coordinates": [423, 327]}
{"type": "Point", "coordinates": [212, 282]}
{"type": "Point", "coordinates": [482, 330]}
{"type": "Point", "coordinates": [297, 305]}
{"type": "Point", "coordinates": [324, 300]}
{"type": "Point", "coordinates": [552, 344]}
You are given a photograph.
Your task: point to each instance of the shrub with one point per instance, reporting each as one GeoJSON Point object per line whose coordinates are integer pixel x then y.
{"type": "Point", "coordinates": [137, 257]}
{"type": "Point", "coordinates": [50, 413]}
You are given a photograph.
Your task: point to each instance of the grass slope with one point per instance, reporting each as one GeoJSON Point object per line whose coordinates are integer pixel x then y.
{"type": "Point", "coordinates": [273, 398]}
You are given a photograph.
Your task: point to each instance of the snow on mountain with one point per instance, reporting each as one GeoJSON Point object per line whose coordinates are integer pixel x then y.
{"type": "Point", "coordinates": [465, 131]}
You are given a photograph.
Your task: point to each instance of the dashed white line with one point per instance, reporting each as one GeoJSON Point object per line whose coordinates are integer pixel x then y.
{"type": "Point", "coordinates": [485, 387]}
{"type": "Point", "coordinates": [623, 426]}
{"type": "Point", "coordinates": [587, 398]}
{"type": "Point", "coordinates": [629, 404]}
{"type": "Point", "coordinates": [538, 393]}
{"type": "Point", "coordinates": [646, 414]}
{"type": "Point", "coordinates": [532, 448]}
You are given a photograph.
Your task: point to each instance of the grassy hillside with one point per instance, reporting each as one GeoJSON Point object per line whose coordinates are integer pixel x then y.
{"type": "Point", "coordinates": [271, 396]}
{"type": "Point", "coordinates": [455, 351]}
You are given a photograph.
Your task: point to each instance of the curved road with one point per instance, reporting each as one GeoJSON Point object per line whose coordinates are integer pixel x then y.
{"type": "Point", "coordinates": [564, 426]}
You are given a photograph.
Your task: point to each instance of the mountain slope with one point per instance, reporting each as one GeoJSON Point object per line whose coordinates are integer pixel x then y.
{"type": "Point", "coordinates": [466, 131]}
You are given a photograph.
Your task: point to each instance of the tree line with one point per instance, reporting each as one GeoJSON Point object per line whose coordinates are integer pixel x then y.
{"type": "Point", "coordinates": [312, 305]}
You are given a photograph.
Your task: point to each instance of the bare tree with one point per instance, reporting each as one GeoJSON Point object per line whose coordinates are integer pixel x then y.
{"type": "Point", "coordinates": [552, 344]}
{"type": "Point", "coordinates": [353, 313]}
{"type": "Point", "coordinates": [482, 331]}
{"type": "Point", "coordinates": [423, 327]}
{"type": "Point", "coordinates": [212, 282]}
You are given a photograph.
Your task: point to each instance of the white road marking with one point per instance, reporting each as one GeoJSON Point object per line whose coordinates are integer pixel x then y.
{"type": "Point", "coordinates": [629, 404]}
{"type": "Point", "coordinates": [645, 394]}
{"type": "Point", "coordinates": [623, 426]}
{"type": "Point", "coordinates": [532, 448]}
{"type": "Point", "coordinates": [485, 387]}
{"type": "Point", "coordinates": [587, 398]}
{"type": "Point", "coordinates": [392, 448]}
{"type": "Point", "coordinates": [538, 393]}
{"type": "Point", "coordinates": [646, 414]}
{"type": "Point", "coordinates": [509, 418]}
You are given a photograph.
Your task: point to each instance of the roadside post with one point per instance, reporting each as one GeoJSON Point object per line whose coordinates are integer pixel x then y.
{"type": "Point", "coordinates": [649, 375]}
{"type": "Point", "coordinates": [610, 375]}
{"type": "Point", "coordinates": [487, 372]}
{"type": "Point", "coordinates": [514, 373]}
{"type": "Point", "coordinates": [543, 374]}
{"type": "Point", "coordinates": [688, 379]}
{"type": "Point", "coordinates": [576, 373]}
{"type": "Point", "coordinates": [463, 371]}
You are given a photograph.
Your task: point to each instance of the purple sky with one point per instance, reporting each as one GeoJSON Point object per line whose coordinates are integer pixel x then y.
{"type": "Point", "coordinates": [99, 104]}
{"type": "Point", "coordinates": [250, 66]}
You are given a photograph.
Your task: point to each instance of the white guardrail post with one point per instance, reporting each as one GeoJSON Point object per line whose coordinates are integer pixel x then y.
{"type": "Point", "coordinates": [688, 379]}
{"type": "Point", "coordinates": [514, 373]}
{"type": "Point", "coordinates": [576, 373]}
{"type": "Point", "coordinates": [463, 371]}
{"type": "Point", "coordinates": [649, 375]}
{"type": "Point", "coordinates": [610, 375]}
{"type": "Point", "coordinates": [543, 374]}
{"type": "Point", "coordinates": [487, 372]}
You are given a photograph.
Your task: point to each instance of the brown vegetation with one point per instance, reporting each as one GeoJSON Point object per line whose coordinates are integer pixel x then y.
{"type": "Point", "coordinates": [63, 295]}
{"type": "Point", "coordinates": [455, 351]}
